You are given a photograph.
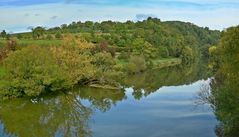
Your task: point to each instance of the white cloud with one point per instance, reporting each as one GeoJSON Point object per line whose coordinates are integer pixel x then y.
{"type": "Point", "coordinates": [15, 19]}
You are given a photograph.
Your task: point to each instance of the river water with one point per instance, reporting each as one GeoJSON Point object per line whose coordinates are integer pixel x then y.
{"type": "Point", "coordinates": [154, 104]}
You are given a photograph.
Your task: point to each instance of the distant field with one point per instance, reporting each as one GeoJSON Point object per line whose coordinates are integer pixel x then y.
{"type": "Point", "coordinates": [157, 63]}
{"type": "Point", "coordinates": [160, 63]}
{"type": "Point", "coordinates": [34, 42]}
{"type": "Point", "coordinates": [39, 42]}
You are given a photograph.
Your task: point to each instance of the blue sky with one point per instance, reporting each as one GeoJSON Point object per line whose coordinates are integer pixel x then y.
{"type": "Point", "coordinates": [18, 15]}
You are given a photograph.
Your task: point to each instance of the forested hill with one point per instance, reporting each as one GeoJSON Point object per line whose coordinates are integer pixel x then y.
{"type": "Point", "coordinates": [96, 54]}
{"type": "Point", "coordinates": [171, 38]}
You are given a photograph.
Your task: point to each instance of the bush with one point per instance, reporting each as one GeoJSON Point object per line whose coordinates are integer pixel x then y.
{"type": "Point", "coordinates": [58, 35]}
{"type": "Point", "coordinates": [11, 46]}
{"type": "Point", "coordinates": [136, 64]}
{"type": "Point", "coordinates": [103, 61]}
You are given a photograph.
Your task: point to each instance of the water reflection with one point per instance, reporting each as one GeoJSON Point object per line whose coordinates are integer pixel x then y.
{"type": "Point", "coordinates": [102, 99]}
{"type": "Point", "coordinates": [154, 100]}
{"type": "Point", "coordinates": [148, 82]}
{"type": "Point", "coordinates": [226, 105]}
{"type": "Point", "coordinates": [60, 116]}
{"type": "Point", "coordinates": [223, 98]}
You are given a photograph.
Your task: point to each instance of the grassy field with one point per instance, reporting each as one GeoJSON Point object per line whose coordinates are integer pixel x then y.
{"type": "Point", "coordinates": [2, 72]}
{"type": "Point", "coordinates": [160, 63]}
{"type": "Point", "coordinates": [157, 63]}
{"type": "Point", "coordinates": [40, 42]}
{"type": "Point", "coordinates": [34, 42]}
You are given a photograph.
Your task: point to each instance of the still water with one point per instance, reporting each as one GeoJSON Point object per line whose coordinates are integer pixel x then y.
{"type": "Point", "coordinates": [154, 104]}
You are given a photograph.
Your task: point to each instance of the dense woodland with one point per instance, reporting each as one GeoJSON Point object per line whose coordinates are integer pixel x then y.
{"type": "Point", "coordinates": [171, 38]}
{"type": "Point", "coordinates": [224, 98]}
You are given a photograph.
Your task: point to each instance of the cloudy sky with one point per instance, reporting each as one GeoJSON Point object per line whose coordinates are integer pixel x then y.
{"type": "Point", "coordinates": [19, 15]}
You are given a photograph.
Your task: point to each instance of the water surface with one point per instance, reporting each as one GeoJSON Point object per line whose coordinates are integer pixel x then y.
{"type": "Point", "coordinates": [153, 104]}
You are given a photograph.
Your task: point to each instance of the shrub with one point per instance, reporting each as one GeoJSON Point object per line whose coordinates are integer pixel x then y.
{"type": "Point", "coordinates": [58, 35]}
{"type": "Point", "coordinates": [76, 67]}
{"type": "Point", "coordinates": [103, 61]}
{"type": "Point", "coordinates": [11, 46]}
{"type": "Point", "coordinates": [136, 64]}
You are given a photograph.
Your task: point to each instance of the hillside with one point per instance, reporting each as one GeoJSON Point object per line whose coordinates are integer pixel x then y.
{"type": "Point", "coordinates": [171, 38]}
{"type": "Point", "coordinates": [97, 54]}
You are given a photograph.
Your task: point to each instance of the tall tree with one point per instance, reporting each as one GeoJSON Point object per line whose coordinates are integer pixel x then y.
{"type": "Point", "coordinates": [38, 32]}
{"type": "Point", "coordinates": [3, 34]}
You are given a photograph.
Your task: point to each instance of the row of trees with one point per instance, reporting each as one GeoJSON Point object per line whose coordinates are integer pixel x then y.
{"type": "Point", "coordinates": [35, 70]}
{"type": "Point", "coordinates": [225, 93]}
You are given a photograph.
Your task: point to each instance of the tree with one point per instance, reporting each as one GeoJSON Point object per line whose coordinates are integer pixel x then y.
{"type": "Point", "coordinates": [31, 71]}
{"type": "Point", "coordinates": [225, 91]}
{"type": "Point", "coordinates": [187, 55]}
{"type": "Point", "coordinates": [4, 34]}
{"type": "Point", "coordinates": [38, 32]}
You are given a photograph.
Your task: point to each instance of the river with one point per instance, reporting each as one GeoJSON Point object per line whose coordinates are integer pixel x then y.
{"type": "Point", "coordinates": [153, 104]}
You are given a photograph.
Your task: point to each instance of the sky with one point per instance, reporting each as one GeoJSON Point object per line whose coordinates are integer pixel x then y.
{"type": "Point", "coordinates": [20, 15]}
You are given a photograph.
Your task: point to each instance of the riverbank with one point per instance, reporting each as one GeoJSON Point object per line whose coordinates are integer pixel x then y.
{"type": "Point", "coordinates": [81, 62]}
{"type": "Point", "coordinates": [157, 64]}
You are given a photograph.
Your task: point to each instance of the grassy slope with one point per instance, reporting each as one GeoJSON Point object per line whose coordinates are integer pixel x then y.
{"type": "Point", "coordinates": [157, 63]}
{"type": "Point", "coordinates": [23, 42]}
{"type": "Point", "coordinates": [2, 72]}
{"type": "Point", "coordinates": [166, 62]}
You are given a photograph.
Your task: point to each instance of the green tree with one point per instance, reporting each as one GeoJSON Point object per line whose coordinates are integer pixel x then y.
{"type": "Point", "coordinates": [38, 32]}
{"type": "Point", "coordinates": [31, 71]}
{"type": "Point", "coordinates": [225, 91]}
{"type": "Point", "coordinates": [187, 55]}
{"type": "Point", "coordinates": [3, 34]}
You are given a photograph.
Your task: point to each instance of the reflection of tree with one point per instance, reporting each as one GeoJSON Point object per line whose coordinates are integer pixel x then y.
{"type": "Point", "coordinates": [79, 114]}
{"type": "Point", "coordinates": [204, 95]}
{"type": "Point", "coordinates": [224, 99]}
{"type": "Point", "coordinates": [152, 80]}
{"type": "Point", "coordinates": [102, 99]}
{"type": "Point", "coordinates": [61, 116]}
{"type": "Point", "coordinates": [227, 106]}
{"type": "Point", "coordinates": [138, 94]}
